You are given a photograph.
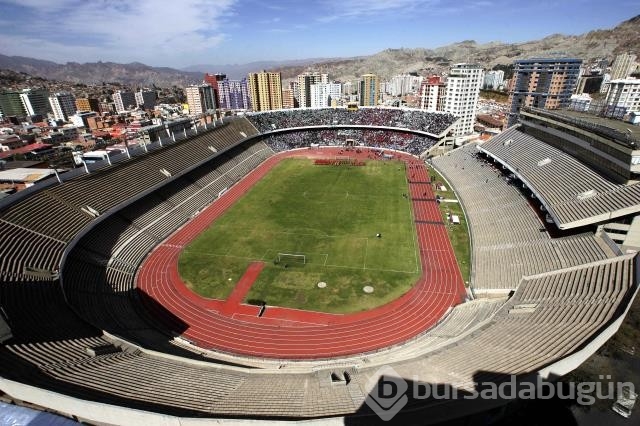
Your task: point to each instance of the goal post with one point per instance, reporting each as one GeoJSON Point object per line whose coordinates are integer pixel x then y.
{"type": "Point", "coordinates": [291, 258]}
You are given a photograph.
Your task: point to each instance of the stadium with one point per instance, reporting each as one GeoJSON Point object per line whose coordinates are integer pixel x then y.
{"type": "Point", "coordinates": [99, 324]}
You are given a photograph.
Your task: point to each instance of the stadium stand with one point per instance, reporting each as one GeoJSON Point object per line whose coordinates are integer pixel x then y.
{"type": "Point", "coordinates": [607, 145]}
{"type": "Point", "coordinates": [551, 316]}
{"type": "Point", "coordinates": [400, 141]}
{"type": "Point", "coordinates": [5, 330]}
{"type": "Point", "coordinates": [431, 123]}
{"type": "Point", "coordinates": [122, 241]}
{"type": "Point", "coordinates": [98, 341]}
{"type": "Point", "coordinates": [509, 238]}
{"type": "Point", "coordinates": [583, 198]}
{"type": "Point", "coordinates": [55, 215]}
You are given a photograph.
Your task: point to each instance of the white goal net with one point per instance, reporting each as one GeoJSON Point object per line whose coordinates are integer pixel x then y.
{"type": "Point", "coordinates": [291, 258]}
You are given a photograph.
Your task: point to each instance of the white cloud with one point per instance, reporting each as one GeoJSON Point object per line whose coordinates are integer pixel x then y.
{"type": "Point", "coordinates": [119, 30]}
{"type": "Point", "coordinates": [392, 9]}
{"type": "Point", "coordinates": [358, 8]}
{"type": "Point", "coordinates": [269, 21]}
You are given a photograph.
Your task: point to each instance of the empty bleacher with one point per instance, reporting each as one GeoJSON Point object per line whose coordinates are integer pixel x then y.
{"type": "Point", "coordinates": [550, 316]}
{"type": "Point", "coordinates": [43, 223]}
{"type": "Point", "coordinates": [22, 248]}
{"type": "Point", "coordinates": [509, 239]}
{"type": "Point", "coordinates": [100, 271]}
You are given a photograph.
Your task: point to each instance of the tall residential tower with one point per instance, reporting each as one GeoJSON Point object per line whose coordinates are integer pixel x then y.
{"type": "Point", "coordinates": [265, 89]}
{"type": "Point", "coordinates": [623, 66]}
{"type": "Point", "coordinates": [200, 98]}
{"type": "Point", "coordinates": [542, 83]}
{"type": "Point", "coordinates": [432, 94]}
{"type": "Point", "coordinates": [124, 100]}
{"type": "Point", "coordinates": [462, 94]}
{"type": "Point", "coordinates": [369, 90]}
{"type": "Point", "coordinates": [63, 105]}
{"type": "Point", "coordinates": [305, 81]}
{"type": "Point", "coordinates": [234, 94]}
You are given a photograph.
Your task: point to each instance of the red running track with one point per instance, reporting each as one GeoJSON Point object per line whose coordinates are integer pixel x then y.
{"type": "Point", "coordinates": [295, 334]}
{"type": "Point", "coordinates": [232, 304]}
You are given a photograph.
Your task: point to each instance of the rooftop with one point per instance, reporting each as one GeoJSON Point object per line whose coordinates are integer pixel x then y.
{"type": "Point", "coordinates": [625, 130]}
{"type": "Point", "coordinates": [492, 121]}
{"type": "Point", "coordinates": [625, 81]}
{"type": "Point", "coordinates": [24, 175]}
{"type": "Point", "coordinates": [25, 149]}
{"type": "Point", "coordinates": [547, 60]}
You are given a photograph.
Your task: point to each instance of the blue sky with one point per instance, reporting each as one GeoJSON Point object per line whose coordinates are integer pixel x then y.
{"type": "Point", "coordinates": [180, 33]}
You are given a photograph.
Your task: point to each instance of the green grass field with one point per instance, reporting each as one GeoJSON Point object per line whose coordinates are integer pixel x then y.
{"type": "Point", "coordinates": [331, 215]}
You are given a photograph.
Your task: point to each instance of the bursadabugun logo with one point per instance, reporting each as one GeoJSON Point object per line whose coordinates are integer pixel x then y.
{"type": "Point", "coordinates": [388, 393]}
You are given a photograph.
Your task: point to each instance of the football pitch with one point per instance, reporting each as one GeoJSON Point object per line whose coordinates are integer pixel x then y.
{"type": "Point", "coordinates": [330, 216]}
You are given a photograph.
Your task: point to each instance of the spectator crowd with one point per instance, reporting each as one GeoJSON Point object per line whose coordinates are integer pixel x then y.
{"type": "Point", "coordinates": [431, 122]}
{"type": "Point", "coordinates": [401, 141]}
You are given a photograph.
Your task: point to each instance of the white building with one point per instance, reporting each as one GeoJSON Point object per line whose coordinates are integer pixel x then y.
{"type": "Point", "coordinates": [623, 66]}
{"type": "Point", "coordinates": [462, 94]}
{"type": "Point", "coordinates": [432, 94]}
{"type": "Point", "coordinates": [323, 94]}
{"type": "Point", "coordinates": [493, 80]}
{"type": "Point", "coordinates": [402, 84]}
{"type": "Point", "coordinates": [348, 88]}
{"type": "Point", "coordinates": [604, 87]}
{"type": "Point", "coordinates": [63, 105]}
{"type": "Point", "coordinates": [624, 93]}
{"type": "Point", "coordinates": [200, 99]}
{"type": "Point", "coordinates": [123, 101]}
{"type": "Point", "coordinates": [305, 81]}
{"type": "Point", "coordinates": [580, 102]}
{"type": "Point", "coordinates": [79, 119]}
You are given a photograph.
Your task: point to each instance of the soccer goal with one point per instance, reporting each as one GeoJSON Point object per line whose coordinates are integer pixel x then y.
{"type": "Point", "coordinates": [290, 258]}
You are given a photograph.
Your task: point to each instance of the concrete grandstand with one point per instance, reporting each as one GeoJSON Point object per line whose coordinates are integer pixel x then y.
{"type": "Point", "coordinates": [92, 336]}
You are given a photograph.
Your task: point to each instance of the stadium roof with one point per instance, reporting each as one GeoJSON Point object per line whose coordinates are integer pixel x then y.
{"type": "Point", "coordinates": [573, 194]}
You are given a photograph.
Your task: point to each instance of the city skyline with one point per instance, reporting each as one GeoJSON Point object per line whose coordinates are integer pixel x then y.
{"type": "Point", "coordinates": [220, 32]}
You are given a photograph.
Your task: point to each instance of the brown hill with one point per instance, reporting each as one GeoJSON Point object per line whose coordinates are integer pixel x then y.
{"type": "Point", "coordinates": [592, 45]}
